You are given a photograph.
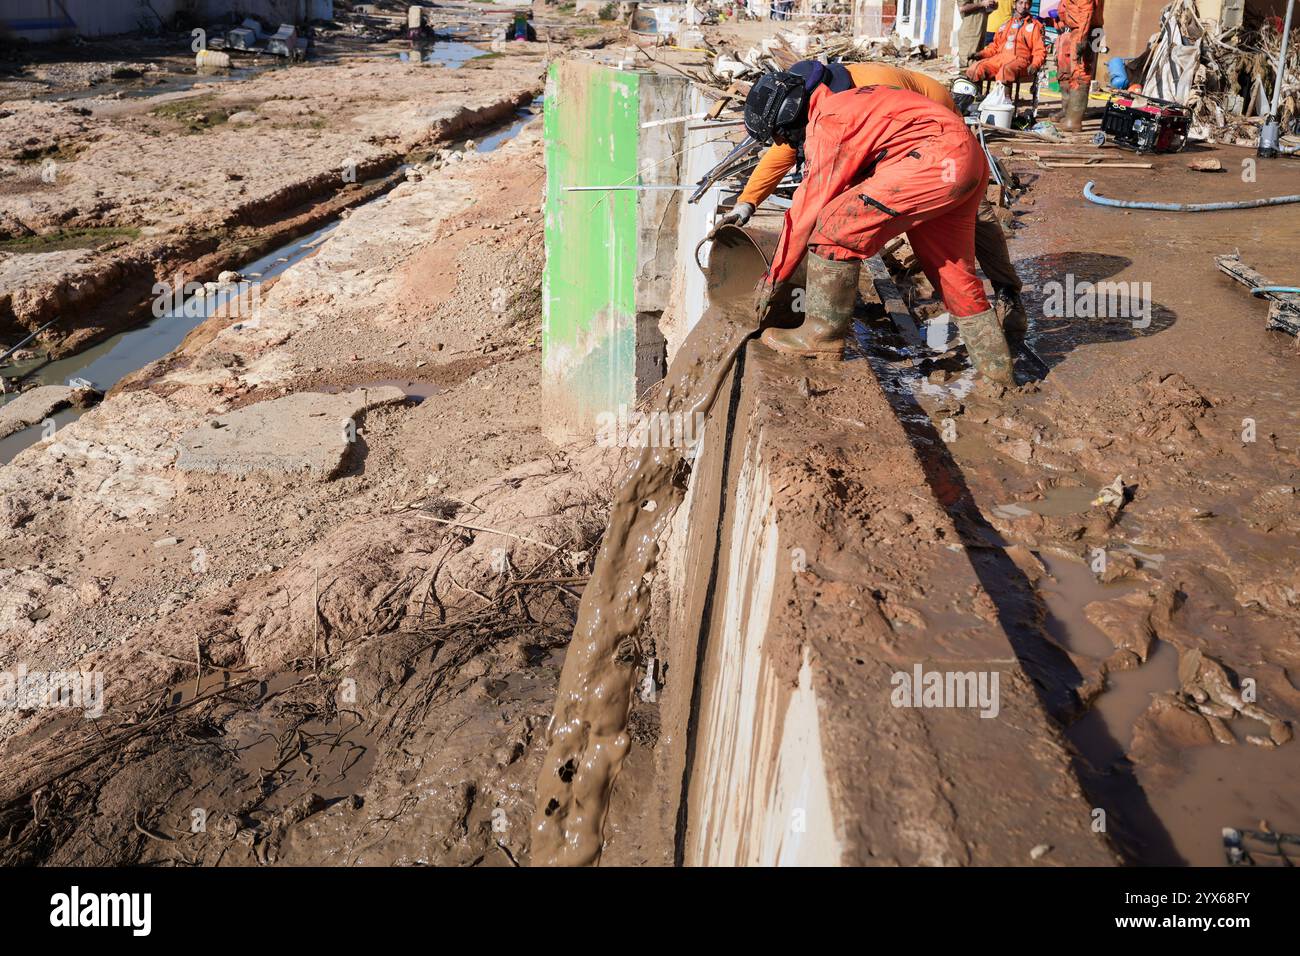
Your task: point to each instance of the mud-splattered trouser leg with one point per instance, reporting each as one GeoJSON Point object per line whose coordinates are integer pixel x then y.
{"type": "Point", "coordinates": [1075, 71]}
{"type": "Point", "coordinates": [933, 194]}
{"type": "Point", "coordinates": [991, 250]}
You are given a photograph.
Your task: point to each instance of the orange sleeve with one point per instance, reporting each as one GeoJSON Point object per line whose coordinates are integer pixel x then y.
{"type": "Point", "coordinates": [998, 39]}
{"type": "Point", "coordinates": [828, 172]}
{"type": "Point", "coordinates": [1037, 51]}
{"type": "Point", "coordinates": [771, 169]}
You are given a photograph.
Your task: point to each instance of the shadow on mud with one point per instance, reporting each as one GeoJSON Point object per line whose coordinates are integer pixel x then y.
{"type": "Point", "coordinates": [1074, 300]}
{"type": "Point", "coordinates": [1133, 826]}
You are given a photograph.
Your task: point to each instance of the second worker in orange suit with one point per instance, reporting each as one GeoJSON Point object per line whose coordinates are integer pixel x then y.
{"type": "Point", "coordinates": [1076, 57]}
{"type": "Point", "coordinates": [1016, 53]}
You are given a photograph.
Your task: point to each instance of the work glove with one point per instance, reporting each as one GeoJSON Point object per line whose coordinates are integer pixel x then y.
{"type": "Point", "coordinates": [739, 215]}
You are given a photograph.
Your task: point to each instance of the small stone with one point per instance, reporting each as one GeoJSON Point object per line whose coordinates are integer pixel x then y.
{"type": "Point", "coordinates": [1040, 851]}
{"type": "Point", "coordinates": [166, 542]}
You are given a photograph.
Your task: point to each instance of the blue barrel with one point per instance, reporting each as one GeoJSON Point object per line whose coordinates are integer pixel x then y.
{"type": "Point", "coordinates": [1118, 72]}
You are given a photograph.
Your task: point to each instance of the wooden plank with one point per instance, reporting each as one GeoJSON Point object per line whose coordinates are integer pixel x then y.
{"type": "Point", "coordinates": [1284, 307]}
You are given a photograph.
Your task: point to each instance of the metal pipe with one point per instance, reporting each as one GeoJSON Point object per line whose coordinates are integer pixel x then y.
{"type": "Point", "coordinates": [28, 339]}
{"type": "Point", "coordinates": [1271, 133]}
{"type": "Point", "coordinates": [1281, 61]}
{"type": "Point", "coordinates": [1091, 196]}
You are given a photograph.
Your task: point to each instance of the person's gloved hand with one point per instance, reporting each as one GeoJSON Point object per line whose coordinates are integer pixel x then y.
{"type": "Point", "coordinates": [739, 215]}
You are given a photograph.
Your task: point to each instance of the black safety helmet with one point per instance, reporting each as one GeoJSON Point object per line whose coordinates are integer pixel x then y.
{"type": "Point", "coordinates": [777, 103]}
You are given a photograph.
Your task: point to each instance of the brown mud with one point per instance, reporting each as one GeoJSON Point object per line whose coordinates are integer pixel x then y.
{"type": "Point", "coordinates": [587, 736]}
{"type": "Point", "coordinates": [1160, 622]}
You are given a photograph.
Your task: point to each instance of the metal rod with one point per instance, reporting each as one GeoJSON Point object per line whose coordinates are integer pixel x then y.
{"type": "Point", "coordinates": [28, 339]}
{"type": "Point", "coordinates": [1281, 61]}
{"type": "Point", "coordinates": [591, 189]}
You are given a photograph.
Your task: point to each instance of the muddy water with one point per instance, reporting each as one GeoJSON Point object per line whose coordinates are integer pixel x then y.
{"type": "Point", "coordinates": [109, 361]}
{"type": "Point", "coordinates": [104, 364]}
{"type": "Point", "coordinates": [587, 736]}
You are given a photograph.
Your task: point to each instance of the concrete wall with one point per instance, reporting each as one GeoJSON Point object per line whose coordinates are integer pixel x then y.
{"type": "Point", "coordinates": [44, 20]}
{"type": "Point", "coordinates": [789, 628]}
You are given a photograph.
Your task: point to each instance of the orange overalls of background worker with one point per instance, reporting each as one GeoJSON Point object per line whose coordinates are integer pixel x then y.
{"type": "Point", "coordinates": [780, 159]}
{"type": "Point", "coordinates": [881, 161]}
{"type": "Point", "coordinates": [1076, 56]}
{"type": "Point", "coordinates": [1016, 53]}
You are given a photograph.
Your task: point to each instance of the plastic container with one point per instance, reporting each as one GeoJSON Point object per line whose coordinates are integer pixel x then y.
{"type": "Point", "coordinates": [998, 115]}
{"type": "Point", "coordinates": [1118, 70]}
{"type": "Point", "coordinates": [212, 60]}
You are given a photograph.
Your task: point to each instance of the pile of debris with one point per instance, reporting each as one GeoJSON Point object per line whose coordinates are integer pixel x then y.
{"type": "Point", "coordinates": [786, 48]}
{"type": "Point", "coordinates": [1232, 95]}
{"type": "Point", "coordinates": [1224, 76]}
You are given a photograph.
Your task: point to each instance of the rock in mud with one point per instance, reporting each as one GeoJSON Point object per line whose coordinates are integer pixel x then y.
{"type": "Point", "coordinates": [308, 431]}
{"type": "Point", "coordinates": [34, 406]}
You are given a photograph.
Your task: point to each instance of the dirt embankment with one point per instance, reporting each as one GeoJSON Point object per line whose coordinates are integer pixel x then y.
{"type": "Point", "coordinates": [105, 198]}
{"type": "Point", "coordinates": [376, 667]}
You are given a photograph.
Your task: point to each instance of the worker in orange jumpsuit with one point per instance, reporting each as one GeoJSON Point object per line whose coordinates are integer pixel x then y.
{"type": "Point", "coordinates": [880, 161]}
{"type": "Point", "coordinates": [1076, 57]}
{"type": "Point", "coordinates": [824, 79]}
{"type": "Point", "coordinates": [1016, 53]}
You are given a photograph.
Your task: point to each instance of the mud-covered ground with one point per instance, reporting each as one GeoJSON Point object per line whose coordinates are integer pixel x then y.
{"type": "Point", "coordinates": [104, 195]}
{"type": "Point", "coordinates": [378, 648]}
{"type": "Point", "coordinates": [1166, 613]}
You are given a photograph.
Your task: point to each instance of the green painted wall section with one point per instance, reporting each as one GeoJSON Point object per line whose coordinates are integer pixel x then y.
{"type": "Point", "coordinates": [591, 124]}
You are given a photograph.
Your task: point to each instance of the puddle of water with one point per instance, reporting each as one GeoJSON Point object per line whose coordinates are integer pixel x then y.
{"type": "Point", "coordinates": [171, 83]}
{"type": "Point", "coordinates": [1221, 786]}
{"type": "Point", "coordinates": [1115, 713]}
{"type": "Point", "coordinates": [107, 362]}
{"type": "Point", "coordinates": [1072, 587]}
{"type": "Point", "coordinates": [524, 115]}
{"type": "Point", "coordinates": [452, 54]}
{"type": "Point", "coordinates": [1061, 501]}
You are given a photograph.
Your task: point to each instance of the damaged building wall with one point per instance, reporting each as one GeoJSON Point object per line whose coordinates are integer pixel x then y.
{"type": "Point", "coordinates": [44, 20]}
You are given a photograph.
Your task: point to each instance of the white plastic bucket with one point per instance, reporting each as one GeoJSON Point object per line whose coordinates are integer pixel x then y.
{"type": "Point", "coordinates": [998, 115]}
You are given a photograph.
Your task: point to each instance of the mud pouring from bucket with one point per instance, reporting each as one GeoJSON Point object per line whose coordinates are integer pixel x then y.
{"type": "Point", "coordinates": [587, 737]}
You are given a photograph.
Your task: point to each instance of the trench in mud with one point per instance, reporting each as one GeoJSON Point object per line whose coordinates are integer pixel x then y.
{"type": "Point", "coordinates": [1174, 811]}
{"type": "Point", "coordinates": [108, 362]}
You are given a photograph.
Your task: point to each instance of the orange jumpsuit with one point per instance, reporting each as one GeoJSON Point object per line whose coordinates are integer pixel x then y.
{"type": "Point", "coordinates": [1016, 53]}
{"type": "Point", "coordinates": [1076, 69]}
{"type": "Point", "coordinates": [779, 160]}
{"type": "Point", "coordinates": [880, 162]}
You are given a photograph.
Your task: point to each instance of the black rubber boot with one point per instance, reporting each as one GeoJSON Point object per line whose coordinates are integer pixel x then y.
{"type": "Point", "coordinates": [1011, 314]}
{"type": "Point", "coordinates": [829, 295]}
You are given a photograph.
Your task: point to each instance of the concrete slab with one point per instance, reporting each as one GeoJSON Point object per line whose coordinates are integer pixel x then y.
{"type": "Point", "coordinates": [836, 583]}
{"type": "Point", "coordinates": [34, 406]}
{"type": "Point", "coordinates": [308, 431]}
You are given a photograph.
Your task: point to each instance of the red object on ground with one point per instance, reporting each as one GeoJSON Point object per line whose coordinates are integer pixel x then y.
{"type": "Point", "coordinates": [880, 162]}
{"type": "Point", "coordinates": [1146, 124]}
